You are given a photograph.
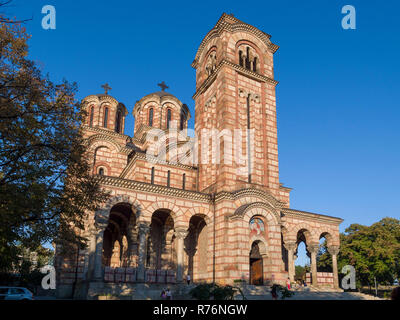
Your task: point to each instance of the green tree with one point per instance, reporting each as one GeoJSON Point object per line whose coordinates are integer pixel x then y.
{"type": "Point", "coordinates": [46, 188]}
{"type": "Point", "coordinates": [324, 259]}
{"type": "Point", "coordinates": [300, 273]}
{"type": "Point", "coordinates": [373, 250]}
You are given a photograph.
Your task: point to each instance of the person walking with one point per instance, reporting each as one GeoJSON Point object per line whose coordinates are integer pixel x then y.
{"type": "Point", "coordinates": [168, 294]}
{"type": "Point", "coordinates": [288, 283]}
{"type": "Point", "coordinates": [163, 295]}
{"type": "Point", "coordinates": [188, 278]}
{"type": "Point", "coordinates": [274, 292]}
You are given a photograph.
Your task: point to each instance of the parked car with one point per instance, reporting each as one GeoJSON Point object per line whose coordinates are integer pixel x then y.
{"type": "Point", "coordinates": [15, 293]}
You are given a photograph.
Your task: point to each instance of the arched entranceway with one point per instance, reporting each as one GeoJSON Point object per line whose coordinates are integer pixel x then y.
{"type": "Point", "coordinates": [161, 253]}
{"type": "Point", "coordinates": [115, 242]}
{"type": "Point", "coordinates": [196, 248]}
{"type": "Point", "coordinates": [256, 265]}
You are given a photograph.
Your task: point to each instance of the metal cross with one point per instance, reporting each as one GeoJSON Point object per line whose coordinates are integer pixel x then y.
{"type": "Point", "coordinates": [106, 87]}
{"type": "Point", "coordinates": [163, 86]}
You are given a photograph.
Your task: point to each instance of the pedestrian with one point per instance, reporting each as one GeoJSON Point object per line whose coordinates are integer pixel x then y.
{"type": "Point", "coordinates": [188, 278]}
{"type": "Point", "coordinates": [274, 292]}
{"type": "Point", "coordinates": [288, 283]}
{"type": "Point", "coordinates": [168, 294]}
{"type": "Point", "coordinates": [163, 295]}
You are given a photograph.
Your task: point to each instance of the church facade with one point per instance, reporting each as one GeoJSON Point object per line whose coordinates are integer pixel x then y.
{"type": "Point", "coordinates": [206, 203]}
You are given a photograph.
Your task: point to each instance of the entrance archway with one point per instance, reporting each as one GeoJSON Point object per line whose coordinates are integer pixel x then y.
{"type": "Point", "coordinates": [115, 243]}
{"type": "Point", "coordinates": [196, 248]}
{"type": "Point", "coordinates": [256, 265]}
{"type": "Point", "coordinates": [160, 246]}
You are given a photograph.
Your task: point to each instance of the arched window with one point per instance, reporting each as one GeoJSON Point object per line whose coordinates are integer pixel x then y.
{"type": "Point", "coordinates": [105, 117]}
{"type": "Point", "coordinates": [248, 59]}
{"type": "Point", "coordinates": [91, 116]}
{"type": "Point", "coordinates": [118, 122]}
{"type": "Point", "coordinates": [183, 181]}
{"type": "Point", "coordinates": [240, 58]}
{"type": "Point", "coordinates": [255, 64]}
{"type": "Point", "coordinates": [151, 117]}
{"type": "Point", "coordinates": [182, 124]}
{"type": "Point", "coordinates": [152, 175]}
{"type": "Point", "coordinates": [168, 178]}
{"type": "Point", "coordinates": [248, 137]}
{"type": "Point", "coordinates": [168, 117]}
{"type": "Point", "coordinates": [101, 171]}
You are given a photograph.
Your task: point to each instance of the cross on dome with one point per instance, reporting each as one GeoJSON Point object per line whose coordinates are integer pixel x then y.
{"type": "Point", "coordinates": [163, 86]}
{"type": "Point", "coordinates": [106, 87]}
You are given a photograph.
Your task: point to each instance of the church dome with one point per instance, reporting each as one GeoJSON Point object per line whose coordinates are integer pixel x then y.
{"type": "Point", "coordinates": [158, 109]}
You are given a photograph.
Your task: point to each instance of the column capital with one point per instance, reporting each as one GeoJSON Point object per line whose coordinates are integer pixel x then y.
{"type": "Point", "coordinates": [333, 250]}
{"type": "Point", "coordinates": [313, 248]}
{"type": "Point", "coordinates": [181, 233]}
{"type": "Point", "coordinates": [144, 228]}
{"type": "Point", "coordinates": [290, 245]}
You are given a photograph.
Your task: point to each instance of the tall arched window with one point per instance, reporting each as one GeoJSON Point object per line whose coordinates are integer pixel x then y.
{"type": "Point", "coordinates": [91, 116]}
{"type": "Point", "coordinates": [105, 117]}
{"type": "Point", "coordinates": [168, 178]}
{"type": "Point", "coordinates": [255, 64]}
{"type": "Point", "coordinates": [101, 171]}
{"type": "Point", "coordinates": [151, 117]}
{"type": "Point", "coordinates": [182, 124]}
{"type": "Point", "coordinates": [152, 175]}
{"type": "Point", "coordinates": [247, 62]}
{"type": "Point", "coordinates": [248, 137]}
{"type": "Point", "coordinates": [240, 58]}
{"type": "Point", "coordinates": [168, 117]}
{"type": "Point", "coordinates": [184, 181]}
{"type": "Point", "coordinates": [118, 122]}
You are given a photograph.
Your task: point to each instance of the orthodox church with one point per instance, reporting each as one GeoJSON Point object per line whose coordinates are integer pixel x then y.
{"type": "Point", "coordinates": [209, 206]}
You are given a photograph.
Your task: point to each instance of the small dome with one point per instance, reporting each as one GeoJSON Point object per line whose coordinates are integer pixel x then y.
{"type": "Point", "coordinates": [163, 94]}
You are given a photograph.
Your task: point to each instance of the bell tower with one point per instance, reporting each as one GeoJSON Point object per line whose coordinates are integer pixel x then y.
{"type": "Point", "coordinates": [235, 104]}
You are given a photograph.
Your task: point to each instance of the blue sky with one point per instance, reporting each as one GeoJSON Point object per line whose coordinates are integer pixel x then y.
{"type": "Point", "coordinates": [337, 97]}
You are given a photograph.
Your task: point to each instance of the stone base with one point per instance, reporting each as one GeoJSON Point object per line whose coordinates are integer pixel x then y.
{"type": "Point", "coordinates": [136, 291]}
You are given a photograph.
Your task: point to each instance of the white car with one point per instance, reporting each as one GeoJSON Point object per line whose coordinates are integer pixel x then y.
{"type": "Point", "coordinates": [15, 293]}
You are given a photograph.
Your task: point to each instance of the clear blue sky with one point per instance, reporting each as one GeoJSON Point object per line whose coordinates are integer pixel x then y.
{"type": "Point", "coordinates": [337, 97]}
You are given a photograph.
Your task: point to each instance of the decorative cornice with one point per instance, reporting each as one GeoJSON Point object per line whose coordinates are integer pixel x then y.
{"type": "Point", "coordinates": [143, 156]}
{"type": "Point", "coordinates": [148, 187]}
{"type": "Point", "coordinates": [105, 131]}
{"type": "Point", "coordinates": [160, 100]}
{"type": "Point", "coordinates": [232, 25]}
{"type": "Point", "coordinates": [100, 98]}
{"type": "Point", "coordinates": [108, 134]}
{"type": "Point", "coordinates": [310, 216]}
{"type": "Point", "coordinates": [241, 211]}
{"type": "Point", "coordinates": [251, 74]}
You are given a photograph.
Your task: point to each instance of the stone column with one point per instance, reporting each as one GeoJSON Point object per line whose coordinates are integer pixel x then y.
{"type": "Point", "coordinates": [180, 235]}
{"type": "Point", "coordinates": [291, 247]}
{"type": "Point", "coordinates": [143, 232]}
{"type": "Point", "coordinates": [313, 249]}
{"type": "Point", "coordinates": [98, 263]}
{"type": "Point", "coordinates": [334, 250]}
{"type": "Point", "coordinates": [132, 245]}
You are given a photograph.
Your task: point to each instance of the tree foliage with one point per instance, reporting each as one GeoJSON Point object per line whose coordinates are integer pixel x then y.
{"type": "Point", "coordinates": [374, 251]}
{"type": "Point", "coordinates": [46, 188]}
{"type": "Point", "coordinates": [324, 259]}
